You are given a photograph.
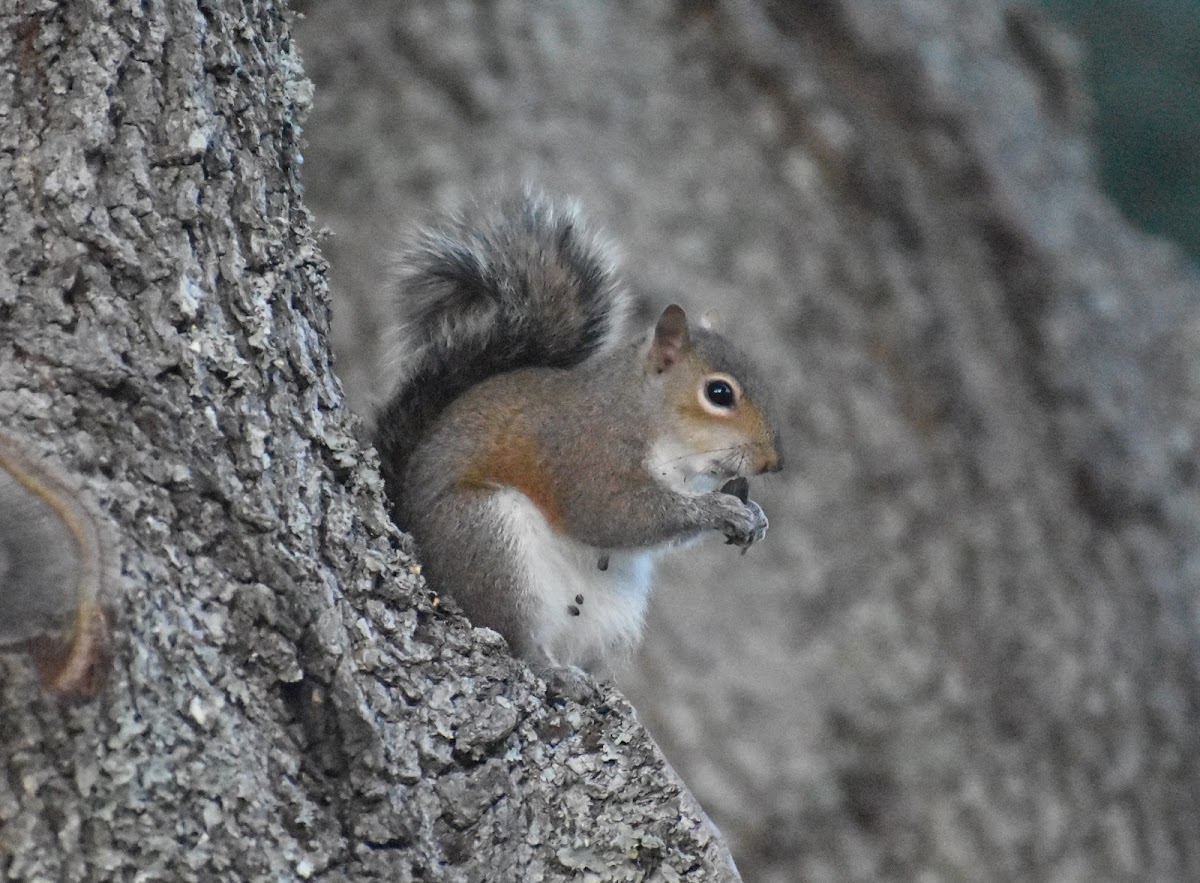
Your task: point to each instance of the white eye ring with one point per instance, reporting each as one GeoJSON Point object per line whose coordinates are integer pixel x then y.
{"type": "Point", "coordinates": [719, 394]}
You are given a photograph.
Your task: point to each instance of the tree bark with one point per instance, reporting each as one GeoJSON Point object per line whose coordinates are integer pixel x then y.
{"type": "Point", "coordinates": [286, 701]}
{"type": "Point", "coordinates": [968, 649]}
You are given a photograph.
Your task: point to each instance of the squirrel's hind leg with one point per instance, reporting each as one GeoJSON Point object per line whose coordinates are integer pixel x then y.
{"type": "Point", "coordinates": [467, 554]}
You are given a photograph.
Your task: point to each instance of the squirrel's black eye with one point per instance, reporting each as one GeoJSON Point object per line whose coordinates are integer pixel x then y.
{"type": "Point", "coordinates": [720, 393]}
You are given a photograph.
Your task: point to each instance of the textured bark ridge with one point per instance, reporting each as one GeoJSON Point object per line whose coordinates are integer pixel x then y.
{"type": "Point", "coordinates": [286, 701]}
{"type": "Point", "coordinates": [969, 647]}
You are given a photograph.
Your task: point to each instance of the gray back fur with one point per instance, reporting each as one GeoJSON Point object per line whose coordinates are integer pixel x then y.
{"type": "Point", "coordinates": [521, 284]}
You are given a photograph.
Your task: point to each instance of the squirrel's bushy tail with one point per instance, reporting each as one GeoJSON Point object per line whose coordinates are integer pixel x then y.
{"type": "Point", "coordinates": [521, 284]}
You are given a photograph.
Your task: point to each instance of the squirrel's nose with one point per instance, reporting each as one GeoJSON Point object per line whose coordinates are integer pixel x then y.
{"type": "Point", "coordinates": [773, 462]}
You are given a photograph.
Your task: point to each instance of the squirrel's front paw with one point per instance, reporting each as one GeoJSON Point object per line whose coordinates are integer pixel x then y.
{"type": "Point", "coordinates": [745, 523]}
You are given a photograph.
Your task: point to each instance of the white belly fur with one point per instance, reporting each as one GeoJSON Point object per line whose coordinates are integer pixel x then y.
{"type": "Point", "coordinates": [558, 569]}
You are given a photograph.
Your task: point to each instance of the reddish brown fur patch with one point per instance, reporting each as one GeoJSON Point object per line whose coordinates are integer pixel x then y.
{"type": "Point", "coordinates": [511, 458]}
{"type": "Point", "coordinates": [766, 458]}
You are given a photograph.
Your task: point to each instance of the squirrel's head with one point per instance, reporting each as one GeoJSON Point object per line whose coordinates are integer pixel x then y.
{"type": "Point", "coordinates": [720, 426]}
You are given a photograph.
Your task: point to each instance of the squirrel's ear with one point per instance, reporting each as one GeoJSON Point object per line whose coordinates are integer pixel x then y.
{"type": "Point", "coordinates": [670, 338]}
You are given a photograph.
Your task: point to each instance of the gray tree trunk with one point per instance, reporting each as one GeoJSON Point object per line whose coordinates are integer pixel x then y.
{"type": "Point", "coordinates": [968, 649]}
{"type": "Point", "coordinates": [285, 700]}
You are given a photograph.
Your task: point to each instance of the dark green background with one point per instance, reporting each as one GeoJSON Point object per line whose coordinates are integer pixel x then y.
{"type": "Point", "coordinates": [1143, 67]}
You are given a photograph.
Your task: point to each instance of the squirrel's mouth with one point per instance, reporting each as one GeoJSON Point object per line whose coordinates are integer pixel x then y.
{"type": "Point", "coordinates": [726, 468]}
{"type": "Point", "coordinates": [767, 459]}
{"type": "Point", "coordinates": [747, 461]}
{"type": "Point", "coordinates": [774, 463]}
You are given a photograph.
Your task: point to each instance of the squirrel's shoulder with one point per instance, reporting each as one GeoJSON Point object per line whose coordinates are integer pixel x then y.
{"type": "Point", "coordinates": [521, 282]}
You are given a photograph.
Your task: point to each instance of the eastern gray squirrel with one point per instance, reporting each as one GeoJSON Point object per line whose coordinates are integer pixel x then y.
{"type": "Point", "coordinates": [541, 459]}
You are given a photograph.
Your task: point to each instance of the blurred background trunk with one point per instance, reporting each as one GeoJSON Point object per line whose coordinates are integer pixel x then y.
{"type": "Point", "coordinates": [968, 649]}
